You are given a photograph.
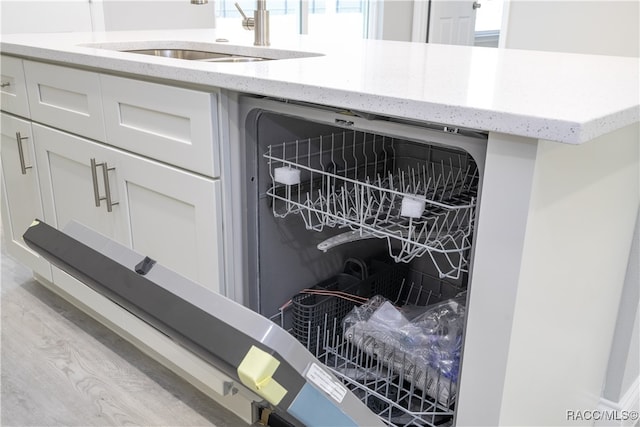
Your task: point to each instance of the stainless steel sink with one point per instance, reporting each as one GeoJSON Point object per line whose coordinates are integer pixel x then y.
{"type": "Point", "coordinates": [197, 55]}
{"type": "Point", "coordinates": [220, 51]}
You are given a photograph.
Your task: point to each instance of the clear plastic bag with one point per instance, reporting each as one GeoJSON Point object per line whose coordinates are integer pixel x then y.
{"type": "Point", "coordinates": [425, 347]}
{"type": "Point", "coordinates": [438, 335]}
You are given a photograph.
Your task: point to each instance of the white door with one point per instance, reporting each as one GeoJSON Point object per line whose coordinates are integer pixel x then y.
{"type": "Point", "coordinates": [452, 21]}
{"type": "Point", "coordinates": [174, 217]}
{"type": "Point", "coordinates": [68, 191]}
{"type": "Point", "coordinates": [168, 214]}
{"type": "Point", "coordinates": [20, 191]}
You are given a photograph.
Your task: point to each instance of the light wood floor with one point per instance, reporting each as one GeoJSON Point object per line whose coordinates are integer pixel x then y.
{"type": "Point", "coordinates": [62, 368]}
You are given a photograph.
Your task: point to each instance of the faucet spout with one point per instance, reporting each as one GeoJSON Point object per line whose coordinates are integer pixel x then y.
{"type": "Point", "coordinates": [259, 23]}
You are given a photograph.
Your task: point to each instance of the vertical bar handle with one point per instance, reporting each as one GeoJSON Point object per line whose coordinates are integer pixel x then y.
{"type": "Point", "coordinates": [107, 187]}
{"type": "Point", "coordinates": [94, 176]}
{"type": "Point", "coordinates": [23, 166]}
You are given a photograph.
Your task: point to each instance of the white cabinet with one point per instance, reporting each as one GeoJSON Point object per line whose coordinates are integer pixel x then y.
{"type": "Point", "coordinates": [13, 92]}
{"type": "Point", "coordinates": [175, 125]}
{"type": "Point", "coordinates": [65, 98]}
{"type": "Point", "coordinates": [21, 202]}
{"type": "Point", "coordinates": [161, 210]}
{"type": "Point", "coordinates": [168, 214]}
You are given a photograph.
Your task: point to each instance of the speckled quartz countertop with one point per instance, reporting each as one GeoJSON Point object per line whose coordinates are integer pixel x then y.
{"type": "Point", "coordinates": [568, 98]}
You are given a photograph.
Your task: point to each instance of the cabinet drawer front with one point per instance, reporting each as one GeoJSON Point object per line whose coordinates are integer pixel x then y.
{"type": "Point", "coordinates": [13, 93]}
{"type": "Point", "coordinates": [65, 98]}
{"type": "Point", "coordinates": [174, 125]}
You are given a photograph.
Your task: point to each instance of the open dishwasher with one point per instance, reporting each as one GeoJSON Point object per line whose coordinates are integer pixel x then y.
{"type": "Point", "coordinates": [359, 242]}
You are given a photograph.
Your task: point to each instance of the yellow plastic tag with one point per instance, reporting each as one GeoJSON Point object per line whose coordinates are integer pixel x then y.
{"type": "Point", "coordinates": [256, 372]}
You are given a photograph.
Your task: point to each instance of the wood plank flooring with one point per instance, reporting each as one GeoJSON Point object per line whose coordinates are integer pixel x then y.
{"type": "Point", "coordinates": [62, 368]}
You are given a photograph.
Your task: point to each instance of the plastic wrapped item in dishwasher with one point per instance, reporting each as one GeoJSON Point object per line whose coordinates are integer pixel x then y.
{"type": "Point", "coordinates": [424, 349]}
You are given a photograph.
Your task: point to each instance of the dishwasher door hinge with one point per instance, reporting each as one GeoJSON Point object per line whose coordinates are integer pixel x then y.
{"type": "Point", "coordinates": [269, 418]}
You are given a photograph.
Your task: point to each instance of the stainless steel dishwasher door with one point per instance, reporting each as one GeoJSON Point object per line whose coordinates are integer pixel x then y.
{"type": "Point", "coordinates": [247, 347]}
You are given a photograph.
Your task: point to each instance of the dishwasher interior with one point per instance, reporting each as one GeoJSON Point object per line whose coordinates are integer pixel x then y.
{"type": "Point", "coordinates": [359, 240]}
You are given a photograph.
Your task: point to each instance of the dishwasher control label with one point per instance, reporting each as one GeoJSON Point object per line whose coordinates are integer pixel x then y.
{"type": "Point", "coordinates": [326, 383]}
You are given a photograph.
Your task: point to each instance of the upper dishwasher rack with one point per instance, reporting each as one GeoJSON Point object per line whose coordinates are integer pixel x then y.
{"type": "Point", "coordinates": [420, 198]}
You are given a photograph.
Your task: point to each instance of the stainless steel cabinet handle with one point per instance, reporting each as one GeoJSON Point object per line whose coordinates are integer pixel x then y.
{"type": "Point", "coordinates": [476, 5]}
{"type": "Point", "coordinates": [107, 187]}
{"type": "Point", "coordinates": [5, 84]}
{"type": "Point", "coordinates": [23, 166]}
{"type": "Point", "coordinates": [94, 176]}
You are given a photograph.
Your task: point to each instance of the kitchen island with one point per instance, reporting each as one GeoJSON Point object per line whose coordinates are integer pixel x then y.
{"type": "Point", "coordinates": [560, 190]}
{"type": "Point", "coordinates": [556, 96]}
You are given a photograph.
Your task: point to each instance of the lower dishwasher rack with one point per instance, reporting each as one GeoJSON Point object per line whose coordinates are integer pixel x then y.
{"type": "Point", "coordinates": [398, 388]}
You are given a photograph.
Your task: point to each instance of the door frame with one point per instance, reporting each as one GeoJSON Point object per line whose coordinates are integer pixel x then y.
{"type": "Point", "coordinates": [420, 22]}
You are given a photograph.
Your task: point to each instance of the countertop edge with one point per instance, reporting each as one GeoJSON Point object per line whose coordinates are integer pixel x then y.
{"type": "Point", "coordinates": [561, 131]}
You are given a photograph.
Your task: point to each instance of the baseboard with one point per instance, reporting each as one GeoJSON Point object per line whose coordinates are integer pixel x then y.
{"type": "Point", "coordinates": [623, 413]}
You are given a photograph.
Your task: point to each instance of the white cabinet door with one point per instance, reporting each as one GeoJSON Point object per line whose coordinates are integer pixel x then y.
{"type": "Point", "coordinates": [21, 202]}
{"type": "Point", "coordinates": [165, 213]}
{"type": "Point", "coordinates": [68, 185]}
{"type": "Point", "coordinates": [174, 217]}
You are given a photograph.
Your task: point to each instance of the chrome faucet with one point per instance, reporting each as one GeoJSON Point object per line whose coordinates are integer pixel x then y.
{"type": "Point", "coordinates": [259, 23]}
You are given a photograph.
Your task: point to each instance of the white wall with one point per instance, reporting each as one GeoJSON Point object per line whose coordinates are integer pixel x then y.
{"type": "Point", "coordinates": [397, 20]}
{"type": "Point", "coordinates": [156, 14]}
{"type": "Point", "coordinates": [31, 16]}
{"type": "Point", "coordinates": [632, 369]}
{"type": "Point", "coordinates": [391, 20]}
{"type": "Point", "coordinates": [606, 27]}
{"type": "Point", "coordinates": [624, 362]}
{"type": "Point", "coordinates": [25, 16]}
